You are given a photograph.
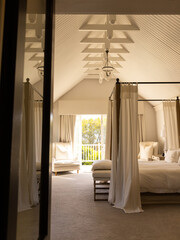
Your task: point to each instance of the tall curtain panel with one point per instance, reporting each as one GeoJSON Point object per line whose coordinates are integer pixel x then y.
{"type": "Point", "coordinates": [67, 127]}
{"type": "Point", "coordinates": [28, 188]}
{"type": "Point", "coordinates": [178, 117]}
{"type": "Point", "coordinates": [141, 130]}
{"type": "Point", "coordinates": [124, 190]}
{"type": "Point", "coordinates": [38, 129]}
{"type": "Point", "coordinates": [171, 127]}
{"type": "Point", "coordinates": [108, 146]}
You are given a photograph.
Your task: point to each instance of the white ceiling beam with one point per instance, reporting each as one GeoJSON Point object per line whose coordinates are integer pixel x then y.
{"type": "Point", "coordinates": [37, 50]}
{"type": "Point", "coordinates": [103, 40]}
{"type": "Point", "coordinates": [102, 50]}
{"type": "Point", "coordinates": [116, 59]}
{"type": "Point", "coordinates": [32, 39]}
{"type": "Point", "coordinates": [92, 77]}
{"type": "Point", "coordinates": [40, 63]}
{"type": "Point", "coordinates": [33, 26]}
{"type": "Point", "coordinates": [96, 65]}
{"type": "Point", "coordinates": [97, 71]}
{"type": "Point", "coordinates": [36, 58]}
{"type": "Point", "coordinates": [92, 65]}
{"type": "Point", "coordinates": [103, 27]}
{"type": "Point", "coordinates": [29, 48]}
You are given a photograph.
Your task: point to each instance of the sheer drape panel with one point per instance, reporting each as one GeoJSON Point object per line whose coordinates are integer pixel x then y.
{"type": "Point", "coordinates": [38, 129]}
{"type": "Point", "coordinates": [178, 117]}
{"type": "Point", "coordinates": [78, 138]}
{"type": "Point", "coordinates": [170, 121]}
{"type": "Point", "coordinates": [140, 128]}
{"type": "Point", "coordinates": [27, 175]}
{"type": "Point", "coordinates": [124, 187]}
{"type": "Point", "coordinates": [23, 193]}
{"type": "Point", "coordinates": [67, 128]}
{"type": "Point", "coordinates": [108, 148]}
{"type": "Point", "coordinates": [114, 151]}
{"type": "Point", "coordinates": [67, 123]}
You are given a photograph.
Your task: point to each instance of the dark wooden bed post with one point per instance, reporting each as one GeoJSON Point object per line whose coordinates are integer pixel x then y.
{"type": "Point", "coordinates": [117, 107]}
{"type": "Point", "coordinates": [178, 117]}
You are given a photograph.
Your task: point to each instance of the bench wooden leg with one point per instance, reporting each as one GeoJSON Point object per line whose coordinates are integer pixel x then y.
{"type": "Point", "coordinates": [77, 171]}
{"type": "Point", "coordinates": [56, 173]}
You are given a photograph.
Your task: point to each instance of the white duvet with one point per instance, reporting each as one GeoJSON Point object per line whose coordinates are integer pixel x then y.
{"type": "Point", "coordinates": [159, 177]}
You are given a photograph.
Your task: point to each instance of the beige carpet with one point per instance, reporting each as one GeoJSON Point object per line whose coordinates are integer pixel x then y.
{"type": "Point", "coordinates": [75, 216]}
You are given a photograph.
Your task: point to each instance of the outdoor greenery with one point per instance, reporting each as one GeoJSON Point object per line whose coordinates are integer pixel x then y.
{"type": "Point", "coordinates": [91, 134]}
{"type": "Point", "coordinates": [91, 131]}
{"type": "Point", "coordinates": [92, 154]}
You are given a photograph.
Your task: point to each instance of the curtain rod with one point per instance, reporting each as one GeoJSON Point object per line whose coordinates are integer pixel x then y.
{"type": "Point", "coordinates": [28, 81]}
{"type": "Point", "coordinates": [156, 100]}
{"type": "Point", "coordinates": [118, 82]}
{"type": "Point", "coordinates": [151, 100]}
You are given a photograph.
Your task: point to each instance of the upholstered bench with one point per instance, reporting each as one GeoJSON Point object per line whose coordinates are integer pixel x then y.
{"type": "Point", "coordinates": [101, 173]}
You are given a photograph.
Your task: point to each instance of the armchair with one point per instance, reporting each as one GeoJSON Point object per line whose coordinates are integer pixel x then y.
{"type": "Point", "coordinates": [63, 159]}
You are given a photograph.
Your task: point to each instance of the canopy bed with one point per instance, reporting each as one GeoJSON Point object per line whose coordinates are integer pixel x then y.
{"type": "Point", "coordinates": [127, 176]}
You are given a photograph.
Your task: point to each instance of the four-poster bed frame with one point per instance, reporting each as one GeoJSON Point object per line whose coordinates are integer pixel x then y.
{"type": "Point", "coordinates": [145, 83]}
{"type": "Point", "coordinates": [148, 197]}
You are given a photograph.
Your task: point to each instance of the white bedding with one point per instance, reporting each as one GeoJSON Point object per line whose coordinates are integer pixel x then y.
{"type": "Point", "coordinates": [159, 177]}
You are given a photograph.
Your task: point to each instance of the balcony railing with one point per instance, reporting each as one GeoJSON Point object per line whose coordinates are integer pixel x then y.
{"type": "Point", "coordinates": [92, 152]}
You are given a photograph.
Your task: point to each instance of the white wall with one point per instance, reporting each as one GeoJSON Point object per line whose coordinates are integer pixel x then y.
{"type": "Point", "coordinates": [150, 122]}
{"type": "Point", "coordinates": [87, 97]}
{"type": "Point", "coordinates": [160, 123]}
{"type": "Point", "coordinates": [55, 122]}
{"type": "Point", "coordinates": [39, 87]}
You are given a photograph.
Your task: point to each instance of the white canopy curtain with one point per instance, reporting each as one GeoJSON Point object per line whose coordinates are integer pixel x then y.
{"type": "Point", "coordinates": [38, 129]}
{"type": "Point", "coordinates": [67, 127]}
{"type": "Point", "coordinates": [28, 188]}
{"type": "Point", "coordinates": [124, 192]}
{"type": "Point", "coordinates": [170, 121]}
{"type": "Point", "coordinates": [141, 130]}
{"type": "Point", "coordinates": [108, 146]}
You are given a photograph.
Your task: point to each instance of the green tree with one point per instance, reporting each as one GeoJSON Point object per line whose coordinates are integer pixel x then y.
{"type": "Point", "coordinates": [91, 131]}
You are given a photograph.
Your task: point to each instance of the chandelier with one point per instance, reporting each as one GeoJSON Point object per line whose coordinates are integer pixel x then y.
{"type": "Point", "coordinates": [40, 69]}
{"type": "Point", "coordinates": [107, 69]}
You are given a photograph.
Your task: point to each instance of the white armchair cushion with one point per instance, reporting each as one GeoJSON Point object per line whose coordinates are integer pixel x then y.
{"type": "Point", "coordinates": [65, 163]}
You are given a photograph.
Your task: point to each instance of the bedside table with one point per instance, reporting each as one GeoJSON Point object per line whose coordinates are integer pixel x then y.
{"type": "Point", "coordinates": [157, 157]}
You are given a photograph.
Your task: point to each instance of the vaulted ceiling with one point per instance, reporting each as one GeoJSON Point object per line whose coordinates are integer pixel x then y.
{"type": "Point", "coordinates": [153, 51]}
{"type": "Point", "coordinates": [142, 47]}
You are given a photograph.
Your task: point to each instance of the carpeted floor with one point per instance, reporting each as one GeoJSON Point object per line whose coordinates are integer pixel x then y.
{"type": "Point", "coordinates": [75, 216]}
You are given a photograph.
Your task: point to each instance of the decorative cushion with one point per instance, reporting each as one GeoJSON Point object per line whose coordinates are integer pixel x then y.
{"type": "Point", "coordinates": [102, 165]}
{"type": "Point", "coordinates": [172, 155]}
{"type": "Point", "coordinates": [146, 152]}
{"type": "Point", "coordinates": [155, 146]}
{"type": "Point", "coordinates": [63, 151]}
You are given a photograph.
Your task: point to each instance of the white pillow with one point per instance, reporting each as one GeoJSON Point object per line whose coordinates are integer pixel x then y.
{"type": "Point", "coordinates": [146, 152]}
{"type": "Point", "coordinates": [101, 165]}
{"type": "Point", "coordinates": [172, 155]}
{"type": "Point", "coordinates": [155, 146]}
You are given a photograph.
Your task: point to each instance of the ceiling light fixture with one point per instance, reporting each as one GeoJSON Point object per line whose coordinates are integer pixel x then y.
{"type": "Point", "coordinates": [40, 69]}
{"type": "Point", "coordinates": [107, 69]}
